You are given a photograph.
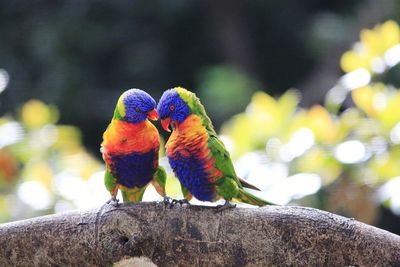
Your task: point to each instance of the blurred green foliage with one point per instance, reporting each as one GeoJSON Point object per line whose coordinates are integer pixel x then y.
{"type": "Point", "coordinates": [216, 86]}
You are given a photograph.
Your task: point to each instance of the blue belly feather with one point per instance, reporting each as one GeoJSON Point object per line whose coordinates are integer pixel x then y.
{"type": "Point", "coordinates": [193, 176]}
{"type": "Point", "coordinates": [135, 169]}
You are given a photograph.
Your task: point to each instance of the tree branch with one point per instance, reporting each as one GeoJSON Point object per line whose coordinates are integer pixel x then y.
{"type": "Point", "coordinates": [150, 233]}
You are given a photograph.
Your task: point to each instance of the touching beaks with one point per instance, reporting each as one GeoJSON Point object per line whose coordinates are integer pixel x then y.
{"type": "Point", "coordinates": [152, 115]}
{"type": "Point", "coordinates": [165, 124]}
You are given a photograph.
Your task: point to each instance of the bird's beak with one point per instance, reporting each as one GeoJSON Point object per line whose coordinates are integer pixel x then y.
{"type": "Point", "coordinates": [165, 124]}
{"type": "Point", "coordinates": [152, 115]}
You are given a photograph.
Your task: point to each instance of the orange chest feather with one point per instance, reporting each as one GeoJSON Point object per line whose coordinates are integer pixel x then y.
{"type": "Point", "coordinates": [189, 137]}
{"type": "Point", "coordinates": [190, 141]}
{"type": "Point", "coordinates": [124, 138]}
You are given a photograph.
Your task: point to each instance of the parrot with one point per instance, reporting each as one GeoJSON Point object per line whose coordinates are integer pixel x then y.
{"type": "Point", "coordinates": [130, 148]}
{"type": "Point", "coordinates": [197, 156]}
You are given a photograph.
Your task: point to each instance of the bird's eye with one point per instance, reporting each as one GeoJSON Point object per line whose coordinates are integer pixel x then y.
{"type": "Point", "coordinates": [171, 107]}
{"type": "Point", "coordinates": [137, 109]}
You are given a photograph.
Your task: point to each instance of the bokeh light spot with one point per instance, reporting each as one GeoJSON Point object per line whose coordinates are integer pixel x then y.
{"type": "Point", "coordinates": [391, 191]}
{"type": "Point", "coordinates": [301, 140]}
{"type": "Point", "coordinates": [355, 79]}
{"type": "Point", "coordinates": [392, 56]}
{"type": "Point", "coordinates": [35, 195]}
{"type": "Point", "coordinates": [349, 152]}
{"type": "Point", "coordinates": [395, 134]}
{"type": "Point", "coordinates": [10, 133]}
{"type": "Point", "coordinates": [4, 79]}
{"type": "Point", "coordinates": [293, 187]}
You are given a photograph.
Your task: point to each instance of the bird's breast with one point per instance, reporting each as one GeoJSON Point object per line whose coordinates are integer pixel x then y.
{"type": "Point", "coordinates": [124, 138]}
{"type": "Point", "coordinates": [188, 150]}
{"type": "Point", "coordinates": [190, 138]}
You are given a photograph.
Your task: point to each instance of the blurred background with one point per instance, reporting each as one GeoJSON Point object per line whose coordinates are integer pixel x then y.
{"type": "Point", "coordinates": [303, 93]}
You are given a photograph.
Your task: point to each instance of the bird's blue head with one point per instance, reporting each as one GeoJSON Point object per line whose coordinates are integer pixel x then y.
{"type": "Point", "coordinates": [174, 107]}
{"type": "Point", "coordinates": [135, 106]}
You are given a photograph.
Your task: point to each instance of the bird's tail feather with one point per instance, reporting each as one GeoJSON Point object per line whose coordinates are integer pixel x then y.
{"type": "Point", "coordinates": [160, 180]}
{"type": "Point", "coordinates": [248, 185]}
{"type": "Point", "coordinates": [249, 198]}
{"type": "Point", "coordinates": [133, 195]}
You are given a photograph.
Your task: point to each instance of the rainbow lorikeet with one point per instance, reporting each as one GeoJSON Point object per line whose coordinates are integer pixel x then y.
{"type": "Point", "coordinates": [197, 156]}
{"type": "Point", "coordinates": [130, 148]}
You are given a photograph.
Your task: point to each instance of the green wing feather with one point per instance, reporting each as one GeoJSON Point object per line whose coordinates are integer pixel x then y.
{"type": "Point", "coordinates": [222, 158]}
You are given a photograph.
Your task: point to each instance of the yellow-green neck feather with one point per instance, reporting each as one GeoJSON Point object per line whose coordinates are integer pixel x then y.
{"type": "Point", "coordinates": [196, 107]}
{"type": "Point", "coordinates": [120, 110]}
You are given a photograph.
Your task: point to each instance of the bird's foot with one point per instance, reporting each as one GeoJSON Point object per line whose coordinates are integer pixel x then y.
{"type": "Point", "coordinates": [181, 201]}
{"type": "Point", "coordinates": [113, 201]}
{"type": "Point", "coordinates": [168, 202]}
{"type": "Point", "coordinates": [225, 206]}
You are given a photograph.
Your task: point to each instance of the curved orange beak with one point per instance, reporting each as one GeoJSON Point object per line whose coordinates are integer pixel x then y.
{"type": "Point", "coordinates": [165, 124]}
{"type": "Point", "coordinates": [152, 115]}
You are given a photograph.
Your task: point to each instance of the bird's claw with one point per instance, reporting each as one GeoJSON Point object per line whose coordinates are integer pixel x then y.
{"type": "Point", "coordinates": [168, 202]}
{"type": "Point", "coordinates": [225, 206]}
{"type": "Point", "coordinates": [113, 201]}
{"type": "Point", "coordinates": [180, 201]}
